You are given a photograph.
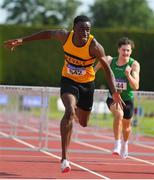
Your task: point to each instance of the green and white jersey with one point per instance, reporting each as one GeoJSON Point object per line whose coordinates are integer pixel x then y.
{"type": "Point", "coordinates": [122, 83]}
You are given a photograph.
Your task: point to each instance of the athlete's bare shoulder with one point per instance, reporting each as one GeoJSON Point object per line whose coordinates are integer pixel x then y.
{"type": "Point", "coordinates": [136, 62]}
{"type": "Point", "coordinates": [96, 49]}
{"type": "Point", "coordinates": [60, 34]}
{"type": "Point", "coordinates": [109, 59]}
{"type": "Point", "coordinates": [135, 66]}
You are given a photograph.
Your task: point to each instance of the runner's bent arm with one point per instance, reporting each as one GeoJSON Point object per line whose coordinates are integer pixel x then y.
{"type": "Point", "coordinates": [132, 74]}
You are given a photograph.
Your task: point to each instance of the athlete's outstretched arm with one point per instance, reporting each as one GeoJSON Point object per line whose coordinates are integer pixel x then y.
{"type": "Point", "coordinates": [60, 35]}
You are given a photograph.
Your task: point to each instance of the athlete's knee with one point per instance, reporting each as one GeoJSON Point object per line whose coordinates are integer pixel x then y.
{"type": "Point", "coordinates": [127, 129]}
{"type": "Point", "coordinates": [70, 112]}
{"type": "Point", "coordinates": [83, 123]}
{"type": "Point", "coordinates": [83, 117]}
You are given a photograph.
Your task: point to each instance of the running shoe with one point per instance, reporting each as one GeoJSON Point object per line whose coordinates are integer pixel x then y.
{"type": "Point", "coordinates": [117, 148]}
{"type": "Point", "coordinates": [65, 166]}
{"type": "Point", "coordinates": [124, 152]}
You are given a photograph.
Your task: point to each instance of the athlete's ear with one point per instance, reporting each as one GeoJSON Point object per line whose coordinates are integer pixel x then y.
{"type": "Point", "coordinates": [118, 50]}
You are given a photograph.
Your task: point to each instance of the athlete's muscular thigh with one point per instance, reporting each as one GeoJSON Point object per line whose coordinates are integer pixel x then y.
{"type": "Point", "coordinates": [69, 101]}
{"type": "Point", "coordinates": [83, 116]}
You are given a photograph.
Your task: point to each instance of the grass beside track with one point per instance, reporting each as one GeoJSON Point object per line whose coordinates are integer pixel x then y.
{"type": "Point", "coordinates": [145, 124]}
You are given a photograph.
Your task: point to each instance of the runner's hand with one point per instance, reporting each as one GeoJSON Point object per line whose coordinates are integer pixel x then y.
{"type": "Point", "coordinates": [118, 100]}
{"type": "Point", "coordinates": [12, 44]}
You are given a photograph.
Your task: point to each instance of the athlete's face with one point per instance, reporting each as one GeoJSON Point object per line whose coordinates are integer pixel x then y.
{"type": "Point", "coordinates": [82, 31]}
{"type": "Point", "coordinates": [125, 51]}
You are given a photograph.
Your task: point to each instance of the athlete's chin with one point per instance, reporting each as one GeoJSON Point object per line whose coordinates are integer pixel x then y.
{"type": "Point", "coordinates": [84, 39]}
{"type": "Point", "coordinates": [126, 57]}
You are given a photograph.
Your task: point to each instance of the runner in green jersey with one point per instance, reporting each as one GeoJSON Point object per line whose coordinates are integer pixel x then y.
{"type": "Point", "coordinates": [126, 71]}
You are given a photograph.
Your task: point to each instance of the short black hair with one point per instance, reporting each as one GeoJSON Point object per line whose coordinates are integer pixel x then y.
{"type": "Point", "coordinates": [81, 18]}
{"type": "Point", "coordinates": [125, 41]}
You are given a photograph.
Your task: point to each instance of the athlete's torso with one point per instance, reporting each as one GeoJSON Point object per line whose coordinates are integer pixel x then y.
{"type": "Point", "coordinates": [122, 83]}
{"type": "Point", "coordinates": [78, 64]}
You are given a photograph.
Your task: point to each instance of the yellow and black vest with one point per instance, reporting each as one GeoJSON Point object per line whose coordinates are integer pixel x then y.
{"type": "Point", "coordinates": [78, 64]}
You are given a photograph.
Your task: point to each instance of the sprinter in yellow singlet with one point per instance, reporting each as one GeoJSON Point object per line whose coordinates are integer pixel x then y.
{"type": "Point", "coordinates": [77, 83]}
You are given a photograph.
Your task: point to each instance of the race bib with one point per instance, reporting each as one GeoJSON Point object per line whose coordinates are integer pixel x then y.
{"type": "Point", "coordinates": [75, 70]}
{"type": "Point", "coordinates": [121, 84]}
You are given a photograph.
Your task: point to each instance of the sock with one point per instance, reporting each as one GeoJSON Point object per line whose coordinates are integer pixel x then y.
{"type": "Point", "coordinates": [125, 143]}
{"type": "Point", "coordinates": [118, 141]}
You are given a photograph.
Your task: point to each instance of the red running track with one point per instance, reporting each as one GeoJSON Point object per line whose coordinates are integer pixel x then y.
{"type": "Point", "coordinates": [89, 154]}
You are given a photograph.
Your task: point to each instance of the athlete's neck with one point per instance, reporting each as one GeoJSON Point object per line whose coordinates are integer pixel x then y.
{"type": "Point", "coordinates": [122, 61]}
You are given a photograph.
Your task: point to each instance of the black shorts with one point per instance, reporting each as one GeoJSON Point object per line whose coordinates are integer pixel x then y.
{"type": "Point", "coordinates": [82, 91]}
{"type": "Point", "coordinates": [128, 109]}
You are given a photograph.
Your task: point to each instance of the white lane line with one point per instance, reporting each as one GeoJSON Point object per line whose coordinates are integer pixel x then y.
{"type": "Point", "coordinates": [93, 146]}
{"type": "Point", "coordinates": [135, 143]}
{"type": "Point", "coordinates": [97, 147]}
{"type": "Point", "coordinates": [81, 167]}
{"type": "Point", "coordinates": [141, 160]}
{"type": "Point", "coordinates": [116, 164]}
{"type": "Point", "coordinates": [53, 155]}
{"type": "Point", "coordinates": [143, 145]}
{"type": "Point", "coordinates": [106, 150]}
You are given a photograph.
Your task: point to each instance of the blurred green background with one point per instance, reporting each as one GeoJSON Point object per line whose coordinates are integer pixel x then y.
{"type": "Point", "coordinates": [39, 63]}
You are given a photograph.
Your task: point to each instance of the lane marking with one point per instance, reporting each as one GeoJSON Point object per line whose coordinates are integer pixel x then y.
{"type": "Point", "coordinates": [53, 155]}
{"type": "Point", "coordinates": [97, 147]}
{"type": "Point", "coordinates": [141, 160]}
{"type": "Point", "coordinates": [111, 138]}
{"type": "Point", "coordinates": [135, 143]}
{"type": "Point", "coordinates": [77, 165]}
{"type": "Point", "coordinates": [100, 148]}
{"type": "Point", "coordinates": [94, 147]}
{"type": "Point", "coordinates": [143, 145]}
{"type": "Point", "coordinates": [92, 161]}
